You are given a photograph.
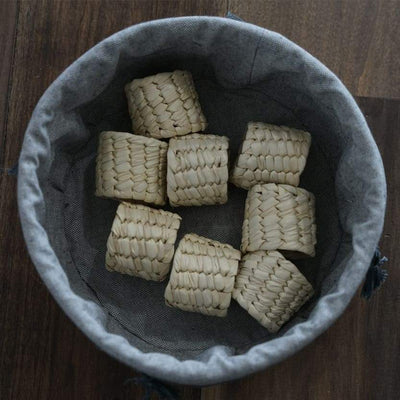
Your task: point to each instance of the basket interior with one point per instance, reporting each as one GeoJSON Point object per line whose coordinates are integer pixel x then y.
{"type": "Point", "coordinates": [230, 97]}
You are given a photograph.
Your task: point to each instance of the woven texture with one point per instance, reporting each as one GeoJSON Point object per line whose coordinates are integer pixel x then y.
{"type": "Point", "coordinates": [270, 288]}
{"type": "Point", "coordinates": [203, 276]}
{"type": "Point", "coordinates": [165, 105]}
{"type": "Point", "coordinates": [131, 167]}
{"type": "Point", "coordinates": [142, 241]}
{"type": "Point", "coordinates": [279, 217]}
{"type": "Point", "coordinates": [197, 170]}
{"type": "Point", "coordinates": [271, 153]}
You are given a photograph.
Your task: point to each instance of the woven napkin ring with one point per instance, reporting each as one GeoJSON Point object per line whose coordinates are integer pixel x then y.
{"type": "Point", "coordinates": [279, 217]}
{"type": "Point", "coordinates": [142, 241]}
{"type": "Point", "coordinates": [271, 154]}
{"type": "Point", "coordinates": [203, 275]}
{"type": "Point", "coordinates": [131, 167]}
{"type": "Point", "coordinates": [165, 105]}
{"type": "Point", "coordinates": [197, 170]}
{"type": "Point", "coordinates": [270, 288]}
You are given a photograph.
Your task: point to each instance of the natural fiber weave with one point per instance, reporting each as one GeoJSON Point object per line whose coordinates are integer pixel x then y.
{"type": "Point", "coordinates": [271, 153]}
{"type": "Point", "coordinates": [270, 288]}
{"type": "Point", "coordinates": [165, 105]}
{"type": "Point", "coordinates": [202, 276]}
{"type": "Point", "coordinates": [279, 217]}
{"type": "Point", "coordinates": [131, 167]}
{"type": "Point", "coordinates": [142, 241]}
{"type": "Point", "coordinates": [197, 170]}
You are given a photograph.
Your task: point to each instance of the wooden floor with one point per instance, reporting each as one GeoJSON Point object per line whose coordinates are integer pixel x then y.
{"type": "Point", "coordinates": [42, 354]}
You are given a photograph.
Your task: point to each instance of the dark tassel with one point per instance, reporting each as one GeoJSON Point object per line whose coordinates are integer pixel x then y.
{"type": "Point", "coordinates": [233, 16]}
{"type": "Point", "coordinates": [151, 385]}
{"type": "Point", "coordinates": [13, 171]}
{"type": "Point", "coordinates": [375, 275]}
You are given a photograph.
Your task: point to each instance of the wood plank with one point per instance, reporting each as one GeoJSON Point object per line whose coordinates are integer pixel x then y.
{"type": "Point", "coordinates": [42, 354]}
{"type": "Point", "coordinates": [8, 26]}
{"type": "Point", "coordinates": [358, 40]}
{"type": "Point", "coordinates": [357, 358]}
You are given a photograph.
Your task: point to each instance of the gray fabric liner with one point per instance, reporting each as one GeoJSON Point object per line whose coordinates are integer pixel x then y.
{"type": "Point", "coordinates": [242, 73]}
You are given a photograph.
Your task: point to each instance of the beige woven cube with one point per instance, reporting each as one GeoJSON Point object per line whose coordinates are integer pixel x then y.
{"type": "Point", "coordinates": [271, 154]}
{"type": "Point", "coordinates": [279, 217]}
{"type": "Point", "coordinates": [270, 288]}
{"type": "Point", "coordinates": [197, 170]}
{"type": "Point", "coordinates": [202, 276]}
{"type": "Point", "coordinates": [141, 242]}
{"type": "Point", "coordinates": [131, 167]}
{"type": "Point", "coordinates": [165, 105]}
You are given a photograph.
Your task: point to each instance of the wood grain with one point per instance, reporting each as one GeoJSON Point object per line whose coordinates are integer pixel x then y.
{"type": "Point", "coordinates": [8, 25]}
{"type": "Point", "coordinates": [358, 40]}
{"type": "Point", "coordinates": [42, 354]}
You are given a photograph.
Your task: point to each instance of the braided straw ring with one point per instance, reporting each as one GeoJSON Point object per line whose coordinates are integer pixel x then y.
{"type": "Point", "coordinates": [279, 217]}
{"type": "Point", "coordinates": [131, 167]}
{"type": "Point", "coordinates": [270, 288]}
{"type": "Point", "coordinates": [165, 105]}
{"type": "Point", "coordinates": [142, 241]}
{"type": "Point", "coordinates": [203, 275]}
{"type": "Point", "coordinates": [271, 153]}
{"type": "Point", "coordinates": [197, 170]}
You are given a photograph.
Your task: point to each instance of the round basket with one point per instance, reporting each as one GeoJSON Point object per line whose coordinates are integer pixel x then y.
{"type": "Point", "coordinates": [242, 73]}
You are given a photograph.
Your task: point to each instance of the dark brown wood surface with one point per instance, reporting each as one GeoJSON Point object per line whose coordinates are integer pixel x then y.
{"type": "Point", "coordinates": [42, 354]}
{"type": "Point", "coordinates": [358, 40]}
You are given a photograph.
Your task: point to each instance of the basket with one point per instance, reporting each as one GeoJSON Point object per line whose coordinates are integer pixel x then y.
{"type": "Point", "coordinates": [271, 153]}
{"type": "Point", "coordinates": [279, 217]}
{"type": "Point", "coordinates": [203, 276]}
{"type": "Point", "coordinates": [270, 288]}
{"type": "Point", "coordinates": [197, 172]}
{"type": "Point", "coordinates": [241, 73]}
{"type": "Point", "coordinates": [141, 242]}
{"type": "Point", "coordinates": [165, 105]}
{"type": "Point", "coordinates": [131, 167]}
